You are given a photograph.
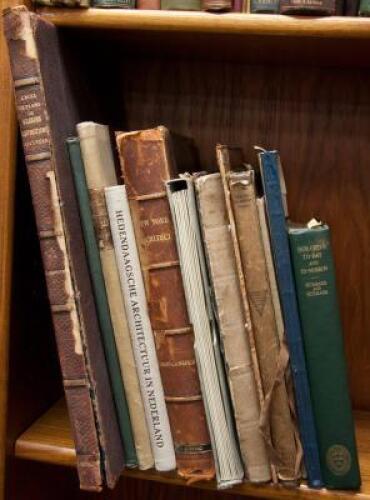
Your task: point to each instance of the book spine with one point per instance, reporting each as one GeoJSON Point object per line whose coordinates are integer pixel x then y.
{"type": "Point", "coordinates": [231, 320]}
{"type": "Point", "coordinates": [132, 284]}
{"type": "Point", "coordinates": [264, 6]}
{"type": "Point", "coordinates": [237, 6]}
{"type": "Point", "coordinates": [217, 5]}
{"type": "Point", "coordinates": [181, 5]}
{"type": "Point", "coordinates": [279, 429]}
{"type": "Point", "coordinates": [364, 9]}
{"type": "Point", "coordinates": [323, 341]}
{"type": "Point", "coordinates": [148, 4]}
{"type": "Point", "coordinates": [351, 7]}
{"type": "Point", "coordinates": [92, 253]}
{"type": "Point", "coordinates": [100, 173]}
{"type": "Point", "coordinates": [36, 138]}
{"type": "Point", "coordinates": [113, 4]}
{"type": "Point", "coordinates": [280, 245]}
{"type": "Point", "coordinates": [148, 151]}
{"type": "Point", "coordinates": [310, 7]}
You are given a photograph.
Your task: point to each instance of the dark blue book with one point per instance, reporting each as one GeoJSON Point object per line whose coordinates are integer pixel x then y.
{"type": "Point", "coordinates": [269, 162]}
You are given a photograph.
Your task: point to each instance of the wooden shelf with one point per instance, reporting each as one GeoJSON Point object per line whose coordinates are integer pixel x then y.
{"type": "Point", "coordinates": [49, 440]}
{"type": "Point", "coordinates": [201, 22]}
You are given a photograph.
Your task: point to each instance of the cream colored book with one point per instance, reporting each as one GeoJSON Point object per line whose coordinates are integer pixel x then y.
{"type": "Point", "coordinates": [100, 173]}
{"type": "Point", "coordinates": [142, 338]}
{"type": "Point", "coordinates": [232, 324]}
{"type": "Point", "coordinates": [229, 469]}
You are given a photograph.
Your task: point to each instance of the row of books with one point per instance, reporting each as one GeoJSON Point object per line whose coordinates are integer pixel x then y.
{"type": "Point", "coordinates": [196, 330]}
{"type": "Point", "coordinates": [290, 7]}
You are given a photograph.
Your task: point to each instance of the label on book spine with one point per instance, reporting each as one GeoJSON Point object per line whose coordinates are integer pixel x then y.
{"type": "Point", "coordinates": [326, 366]}
{"type": "Point", "coordinates": [140, 328]}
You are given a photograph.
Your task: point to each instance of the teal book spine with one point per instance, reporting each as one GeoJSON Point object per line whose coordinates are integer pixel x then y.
{"type": "Point", "coordinates": [323, 342]}
{"type": "Point", "coordinates": [93, 258]}
{"type": "Point", "coordinates": [114, 4]}
{"type": "Point", "coordinates": [364, 8]}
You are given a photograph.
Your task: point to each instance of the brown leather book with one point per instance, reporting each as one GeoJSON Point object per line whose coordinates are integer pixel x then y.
{"type": "Point", "coordinates": [217, 5]}
{"type": "Point", "coordinates": [148, 4]}
{"type": "Point", "coordinates": [147, 161]}
{"type": "Point", "coordinates": [46, 119]}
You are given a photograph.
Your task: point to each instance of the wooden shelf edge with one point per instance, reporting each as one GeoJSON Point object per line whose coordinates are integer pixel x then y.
{"type": "Point", "coordinates": [202, 22]}
{"type": "Point", "coordinates": [49, 440]}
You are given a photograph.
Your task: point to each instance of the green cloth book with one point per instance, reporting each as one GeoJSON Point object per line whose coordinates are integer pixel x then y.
{"type": "Point", "coordinates": [98, 285]}
{"type": "Point", "coordinates": [364, 9]}
{"type": "Point", "coordinates": [323, 341]}
{"type": "Point", "coordinates": [181, 5]}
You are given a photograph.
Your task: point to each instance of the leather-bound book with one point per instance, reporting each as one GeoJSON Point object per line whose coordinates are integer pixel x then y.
{"type": "Point", "coordinates": [114, 4]}
{"type": "Point", "coordinates": [148, 4]}
{"type": "Point", "coordinates": [280, 429]}
{"type": "Point", "coordinates": [217, 5]}
{"type": "Point", "coordinates": [311, 7]}
{"type": "Point", "coordinates": [46, 117]}
{"type": "Point", "coordinates": [148, 160]}
{"type": "Point", "coordinates": [326, 364]}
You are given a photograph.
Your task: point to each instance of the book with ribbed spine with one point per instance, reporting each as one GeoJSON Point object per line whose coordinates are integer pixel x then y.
{"type": "Point", "coordinates": [132, 284]}
{"type": "Point", "coordinates": [148, 159]}
{"type": "Point", "coordinates": [270, 166]}
{"type": "Point", "coordinates": [100, 173]}
{"type": "Point", "coordinates": [279, 427]}
{"type": "Point", "coordinates": [46, 117]}
{"type": "Point", "coordinates": [326, 365]}
{"type": "Point", "coordinates": [231, 321]}
{"type": "Point", "coordinates": [181, 196]}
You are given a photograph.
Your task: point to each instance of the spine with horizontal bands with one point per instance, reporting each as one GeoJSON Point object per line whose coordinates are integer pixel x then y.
{"type": "Point", "coordinates": [81, 356]}
{"type": "Point", "coordinates": [146, 164]}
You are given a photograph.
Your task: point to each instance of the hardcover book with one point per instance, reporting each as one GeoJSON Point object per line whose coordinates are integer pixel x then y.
{"type": "Point", "coordinates": [181, 196]}
{"type": "Point", "coordinates": [326, 366]}
{"type": "Point", "coordinates": [133, 291]}
{"type": "Point", "coordinates": [364, 9]}
{"type": "Point", "coordinates": [264, 6]}
{"type": "Point", "coordinates": [270, 166]}
{"type": "Point", "coordinates": [231, 321]}
{"type": "Point", "coordinates": [312, 7]}
{"type": "Point", "coordinates": [217, 5]}
{"type": "Point", "coordinates": [46, 116]}
{"type": "Point", "coordinates": [181, 5]}
{"type": "Point", "coordinates": [148, 160]}
{"type": "Point", "coordinates": [100, 173]}
{"type": "Point", "coordinates": [351, 7]}
{"type": "Point", "coordinates": [279, 427]}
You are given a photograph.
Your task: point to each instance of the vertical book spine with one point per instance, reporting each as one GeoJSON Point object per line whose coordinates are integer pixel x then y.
{"type": "Point", "coordinates": [272, 356]}
{"type": "Point", "coordinates": [36, 136]}
{"type": "Point", "coordinates": [235, 342]}
{"type": "Point", "coordinates": [326, 365]}
{"type": "Point", "coordinates": [146, 164]}
{"type": "Point", "coordinates": [140, 328]}
{"type": "Point", "coordinates": [280, 246]}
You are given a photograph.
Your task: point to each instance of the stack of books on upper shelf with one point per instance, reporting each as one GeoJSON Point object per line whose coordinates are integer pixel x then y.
{"type": "Point", "coordinates": [197, 328]}
{"type": "Point", "coordinates": [288, 7]}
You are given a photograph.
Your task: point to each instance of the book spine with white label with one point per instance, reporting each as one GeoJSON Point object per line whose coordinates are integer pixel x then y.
{"type": "Point", "coordinates": [133, 292]}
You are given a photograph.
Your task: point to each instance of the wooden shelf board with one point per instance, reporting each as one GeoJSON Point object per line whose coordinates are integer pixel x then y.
{"type": "Point", "coordinates": [201, 22]}
{"type": "Point", "coordinates": [49, 440]}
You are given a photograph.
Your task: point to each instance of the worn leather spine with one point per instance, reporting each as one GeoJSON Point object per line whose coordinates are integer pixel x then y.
{"type": "Point", "coordinates": [278, 426]}
{"type": "Point", "coordinates": [147, 161]}
{"type": "Point", "coordinates": [231, 320]}
{"type": "Point", "coordinates": [148, 4]}
{"type": "Point", "coordinates": [100, 173]}
{"type": "Point", "coordinates": [45, 120]}
{"type": "Point", "coordinates": [311, 7]}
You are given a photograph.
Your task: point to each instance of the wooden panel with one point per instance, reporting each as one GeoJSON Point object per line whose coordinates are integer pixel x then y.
{"type": "Point", "coordinates": [49, 440]}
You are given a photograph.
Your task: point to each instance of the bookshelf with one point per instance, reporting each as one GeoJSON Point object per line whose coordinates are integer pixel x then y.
{"type": "Point", "coordinates": [300, 85]}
